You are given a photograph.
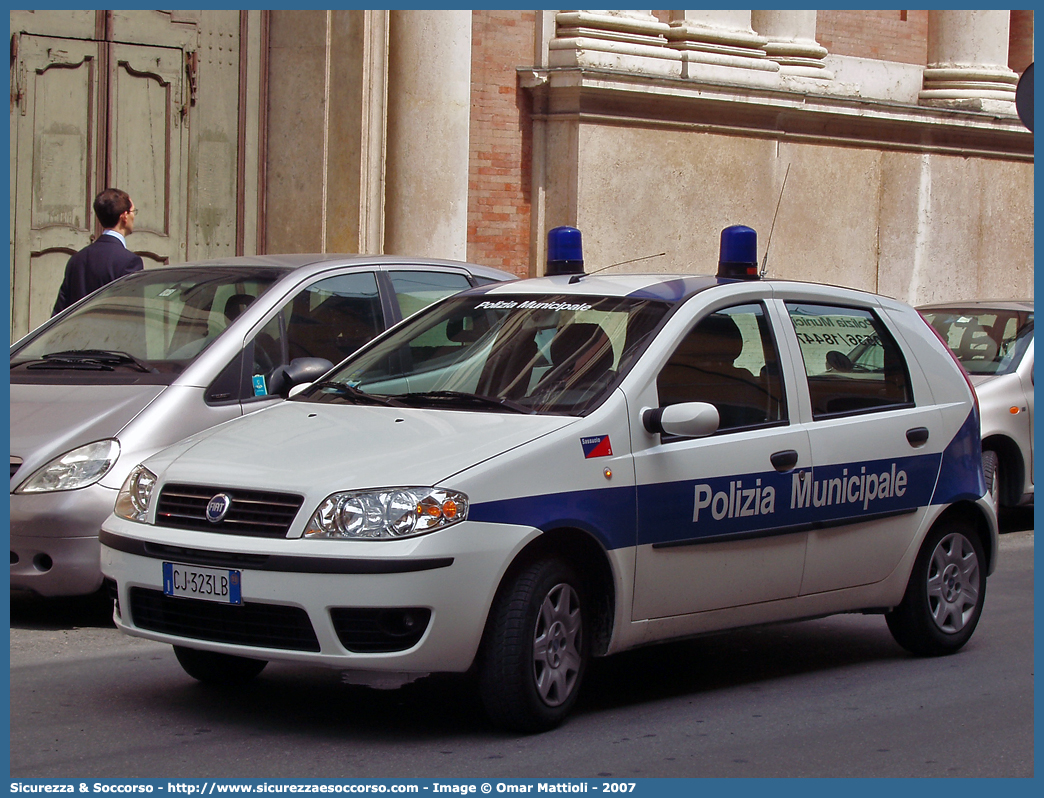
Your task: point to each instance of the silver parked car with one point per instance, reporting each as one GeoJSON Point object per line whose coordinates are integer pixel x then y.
{"type": "Point", "coordinates": [164, 353]}
{"type": "Point", "coordinates": [994, 342]}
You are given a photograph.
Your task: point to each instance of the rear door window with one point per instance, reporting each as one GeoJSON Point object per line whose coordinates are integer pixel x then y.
{"type": "Point", "coordinates": [852, 362]}
{"type": "Point", "coordinates": [416, 289]}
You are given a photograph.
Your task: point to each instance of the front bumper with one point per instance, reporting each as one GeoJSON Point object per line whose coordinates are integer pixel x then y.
{"type": "Point", "coordinates": [296, 594]}
{"type": "Point", "coordinates": [54, 540]}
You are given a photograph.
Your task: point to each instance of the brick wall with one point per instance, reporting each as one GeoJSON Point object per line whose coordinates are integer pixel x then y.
{"type": "Point", "coordinates": [886, 35]}
{"type": "Point", "coordinates": [501, 153]}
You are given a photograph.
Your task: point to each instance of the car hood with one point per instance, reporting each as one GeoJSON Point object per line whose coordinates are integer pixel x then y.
{"type": "Point", "coordinates": [49, 420]}
{"type": "Point", "coordinates": [981, 379]}
{"type": "Point", "coordinates": [995, 384]}
{"type": "Point", "coordinates": [310, 448]}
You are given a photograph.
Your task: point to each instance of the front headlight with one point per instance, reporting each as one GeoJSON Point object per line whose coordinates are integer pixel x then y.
{"type": "Point", "coordinates": [79, 468]}
{"type": "Point", "coordinates": [132, 502]}
{"type": "Point", "coordinates": [386, 514]}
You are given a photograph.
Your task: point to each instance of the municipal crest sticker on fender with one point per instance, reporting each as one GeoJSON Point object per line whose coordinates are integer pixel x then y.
{"type": "Point", "coordinates": [597, 446]}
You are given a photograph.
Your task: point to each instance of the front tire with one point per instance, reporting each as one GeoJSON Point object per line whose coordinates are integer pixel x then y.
{"type": "Point", "coordinates": [945, 595]}
{"type": "Point", "coordinates": [535, 649]}
{"type": "Point", "coordinates": [210, 667]}
{"type": "Point", "coordinates": [992, 471]}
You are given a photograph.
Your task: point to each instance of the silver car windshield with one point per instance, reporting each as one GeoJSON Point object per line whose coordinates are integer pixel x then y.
{"type": "Point", "coordinates": [157, 321]}
{"type": "Point", "coordinates": [985, 341]}
{"type": "Point", "coordinates": [554, 354]}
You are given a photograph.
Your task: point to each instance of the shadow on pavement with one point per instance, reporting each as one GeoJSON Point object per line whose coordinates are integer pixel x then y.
{"type": "Point", "coordinates": [35, 612]}
{"type": "Point", "coordinates": [1016, 519]}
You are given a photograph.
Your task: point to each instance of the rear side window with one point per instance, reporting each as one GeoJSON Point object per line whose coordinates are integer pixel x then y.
{"type": "Point", "coordinates": [852, 362]}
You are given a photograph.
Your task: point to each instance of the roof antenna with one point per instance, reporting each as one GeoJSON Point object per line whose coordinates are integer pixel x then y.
{"type": "Point", "coordinates": [768, 243]}
{"type": "Point", "coordinates": [621, 263]}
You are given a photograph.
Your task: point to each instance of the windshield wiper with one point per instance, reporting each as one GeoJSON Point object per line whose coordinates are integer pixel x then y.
{"type": "Point", "coordinates": [88, 359]}
{"type": "Point", "coordinates": [351, 392]}
{"type": "Point", "coordinates": [461, 397]}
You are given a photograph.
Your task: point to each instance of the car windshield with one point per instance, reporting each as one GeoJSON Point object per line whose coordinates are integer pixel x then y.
{"type": "Point", "coordinates": [553, 354]}
{"type": "Point", "coordinates": [986, 341]}
{"type": "Point", "coordinates": [157, 321]}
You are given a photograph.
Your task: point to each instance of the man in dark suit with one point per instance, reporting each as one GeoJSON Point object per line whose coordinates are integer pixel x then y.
{"type": "Point", "coordinates": [108, 257]}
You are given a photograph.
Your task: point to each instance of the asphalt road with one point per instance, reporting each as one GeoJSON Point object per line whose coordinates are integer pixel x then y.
{"type": "Point", "coordinates": [832, 697]}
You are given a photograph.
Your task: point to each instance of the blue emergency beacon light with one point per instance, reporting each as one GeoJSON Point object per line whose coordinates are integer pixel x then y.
{"type": "Point", "coordinates": [738, 256]}
{"type": "Point", "coordinates": [565, 253]}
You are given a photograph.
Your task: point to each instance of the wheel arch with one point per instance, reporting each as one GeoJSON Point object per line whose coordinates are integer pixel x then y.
{"type": "Point", "coordinates": [1013, 468]}
{"type": "Point", "coordinates": [590, 561]}
{"type": "Point", "coordinates": [968, 510]}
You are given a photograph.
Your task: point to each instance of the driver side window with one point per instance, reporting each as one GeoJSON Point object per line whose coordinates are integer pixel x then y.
{"type": "Point", "coordinates": [329, 319]}
{"type": "Point", "coordinates": [728, 360]}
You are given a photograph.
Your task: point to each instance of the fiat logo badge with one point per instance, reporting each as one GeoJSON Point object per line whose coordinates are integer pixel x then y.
{"type": "Point", "coordinates": [217, 507]}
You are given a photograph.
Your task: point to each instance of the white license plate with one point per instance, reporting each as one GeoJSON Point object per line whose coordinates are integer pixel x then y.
{"type": "Point", "coordinates": [209, 584]}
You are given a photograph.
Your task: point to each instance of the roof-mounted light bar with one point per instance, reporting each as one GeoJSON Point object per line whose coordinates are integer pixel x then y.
{"type": "Point", "coordinates": [565, 252]}
{"type": "Point", "coordinates": [738, 256]}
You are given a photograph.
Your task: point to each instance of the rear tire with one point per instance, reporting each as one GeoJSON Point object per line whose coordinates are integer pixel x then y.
{"type": "Point", "coordinates": [991, 470]}
{"type": "Point", "coordinates": [210, 667]}
{"type": "Point", "coordinates": [535, 648]}
{"type": "Point", "coordinates": [945, 595]}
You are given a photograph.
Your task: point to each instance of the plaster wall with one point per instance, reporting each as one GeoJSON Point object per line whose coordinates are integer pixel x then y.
{"type": "Point", "coordinates": [297, 55]}
{"type": "Point", "coordinates": [916, 226]}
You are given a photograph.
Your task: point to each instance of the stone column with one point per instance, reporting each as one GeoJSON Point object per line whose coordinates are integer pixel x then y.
{"type": "Point", "coordinates": [968, 61]}
{"type": "Point", "coordinates": [792, 42]}
{"type": "Point", "coordinates": [710, 40]}
{"type": "Point", "coordinates": [429, 107]}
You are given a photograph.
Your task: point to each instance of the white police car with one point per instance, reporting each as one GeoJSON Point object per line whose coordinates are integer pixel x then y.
{"type": "Point", "coordinates": [527, 475]}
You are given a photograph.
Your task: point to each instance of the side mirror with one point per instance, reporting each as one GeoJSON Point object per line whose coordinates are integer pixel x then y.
{"type": "Point", "coordinates": [298, 371]}
{"type": "Point", "coordinates": [838, 361]}
{"type": "Point", "coordinates": [687, 420]}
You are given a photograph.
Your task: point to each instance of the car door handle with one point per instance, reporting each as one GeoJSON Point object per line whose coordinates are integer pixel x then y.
{"type": "Point", "coordinates": [918, 436]}
{"type": "Point", "coordinates": [785, 460]}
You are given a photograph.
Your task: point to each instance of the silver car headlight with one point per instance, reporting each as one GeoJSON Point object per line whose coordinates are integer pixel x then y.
{"type": "Point", "coordinates": [386, 514]}
{"type": "Point", "coordinates": [132, 502]}
{"type": "Point", "coordinates": [75, 469]}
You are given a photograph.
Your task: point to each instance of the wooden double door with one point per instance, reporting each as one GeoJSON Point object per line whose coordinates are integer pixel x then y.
{"type": "Point", "coordinates": [86, 114]}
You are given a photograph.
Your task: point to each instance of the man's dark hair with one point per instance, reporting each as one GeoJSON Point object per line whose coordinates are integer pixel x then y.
{"type": "Point", "coordinates": [110, 205]}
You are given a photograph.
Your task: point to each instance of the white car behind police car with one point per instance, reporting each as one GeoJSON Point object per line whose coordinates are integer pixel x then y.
{"type": "Point", "coordinates": [524, 476]}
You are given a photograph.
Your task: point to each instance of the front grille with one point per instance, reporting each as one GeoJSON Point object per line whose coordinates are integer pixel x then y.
{"type": "Point", "coordinates": [252, 512]}
{"type": "Point", "coordinates": [16, 463]}
{"type": "Point", "coordinates": [372, 630]}
{"type": "Point", "coordinates": [261, 625]}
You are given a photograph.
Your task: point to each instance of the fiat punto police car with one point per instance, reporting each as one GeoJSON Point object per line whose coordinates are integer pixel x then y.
{"type": "Point", "coordinates": [528, 475]}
